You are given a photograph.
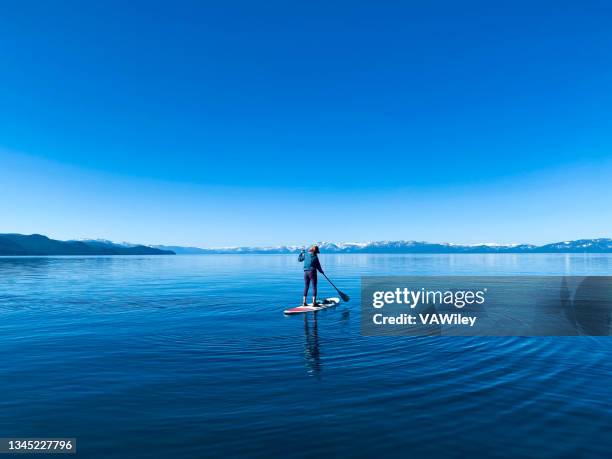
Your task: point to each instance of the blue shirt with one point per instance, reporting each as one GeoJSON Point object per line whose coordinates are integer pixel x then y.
{"type": "Point", "coordinates": [311, 261]}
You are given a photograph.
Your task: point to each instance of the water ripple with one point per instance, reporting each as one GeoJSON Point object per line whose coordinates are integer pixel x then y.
{"type": "Point", "coordinates": [194, 352]}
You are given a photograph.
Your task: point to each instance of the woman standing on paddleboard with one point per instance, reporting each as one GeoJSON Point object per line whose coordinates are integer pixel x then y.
{"type": "Point", "coordinates": [311, 266]}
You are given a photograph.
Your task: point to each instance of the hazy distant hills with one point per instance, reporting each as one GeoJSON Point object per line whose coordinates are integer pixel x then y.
{"type": "Point", "coordinates": [36, 244]}
{"type": "Point", "coordinates": [177, 249]}
{"type": "Point", "coordinates": [579, 246]}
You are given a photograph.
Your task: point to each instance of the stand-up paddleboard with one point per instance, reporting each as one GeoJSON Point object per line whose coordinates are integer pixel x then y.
{"type": "Point", "coordinates": [325, 304]}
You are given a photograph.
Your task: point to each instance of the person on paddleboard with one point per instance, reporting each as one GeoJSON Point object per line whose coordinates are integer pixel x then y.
{"type": "Point", "coordinates": [311, 266]}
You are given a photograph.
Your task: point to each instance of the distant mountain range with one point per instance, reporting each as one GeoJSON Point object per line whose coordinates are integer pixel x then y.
{"type": "Point", "coordinates": [179, 250]}
{"type": "Point", "coordinates": [579, 246]}
{"type": "Point", "coordinates": [36, 244]}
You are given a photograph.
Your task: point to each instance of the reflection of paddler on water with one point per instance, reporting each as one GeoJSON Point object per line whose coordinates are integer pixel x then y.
{"type": "Point", "coordinates": [311, 346]}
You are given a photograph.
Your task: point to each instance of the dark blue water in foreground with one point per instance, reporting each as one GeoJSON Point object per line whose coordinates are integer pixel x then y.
{"type": "Point", "coordinates": [191, 356]}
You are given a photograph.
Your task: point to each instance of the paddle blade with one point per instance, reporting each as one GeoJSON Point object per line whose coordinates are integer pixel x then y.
{"type": "Point", "coordinates": [344, 296]}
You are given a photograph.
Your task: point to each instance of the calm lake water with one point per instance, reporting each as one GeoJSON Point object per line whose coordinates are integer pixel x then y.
{"type": "Point", "coordinates": [191, 356]}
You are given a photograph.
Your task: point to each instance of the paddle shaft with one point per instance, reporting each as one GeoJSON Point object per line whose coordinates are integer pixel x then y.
{"type": "Point", "coordinates": [331, 282]}
{"type": "Point", "coordinates": [343, 295]}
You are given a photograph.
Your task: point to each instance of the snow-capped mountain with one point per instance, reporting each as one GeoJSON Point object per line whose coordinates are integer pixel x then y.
{"type": "Point", "coordinates": [37, 244]}
{"type": "Point", "coordinates": [579, 246]}
{"type": "Point", "coordinates": [18, 244]}
{"type": "Point", "coordinates": [106, 242]}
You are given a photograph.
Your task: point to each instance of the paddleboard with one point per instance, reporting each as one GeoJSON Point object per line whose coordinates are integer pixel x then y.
{"type": "Point", "coordinates": [325, 304]}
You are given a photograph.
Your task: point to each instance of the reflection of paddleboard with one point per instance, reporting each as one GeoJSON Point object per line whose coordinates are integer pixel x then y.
{"type": "Point", "coordinates": [326, 303]}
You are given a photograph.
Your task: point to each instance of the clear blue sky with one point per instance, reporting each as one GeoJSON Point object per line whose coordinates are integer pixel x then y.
{"type": "Point", "coordinates": [233, 123]}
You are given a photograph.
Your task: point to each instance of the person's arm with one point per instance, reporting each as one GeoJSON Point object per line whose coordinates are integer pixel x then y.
{"type": "Point", "coordinates": [318, 265]}
{"type": "Point", "coordinates": [301, 257]}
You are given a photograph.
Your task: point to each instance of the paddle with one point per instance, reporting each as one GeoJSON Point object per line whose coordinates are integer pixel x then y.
{"type": "Point", "coordinates": [344, 296]}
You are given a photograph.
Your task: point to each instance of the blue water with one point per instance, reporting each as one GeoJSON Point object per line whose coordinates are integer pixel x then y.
{"type": "Point", "coordinates": [191, 356]}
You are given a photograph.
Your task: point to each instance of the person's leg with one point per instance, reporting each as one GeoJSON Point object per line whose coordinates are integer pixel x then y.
{"type": "Point", "coordinates": [314, 287]}
{"type": "Point", "coordinates": [306, 286]}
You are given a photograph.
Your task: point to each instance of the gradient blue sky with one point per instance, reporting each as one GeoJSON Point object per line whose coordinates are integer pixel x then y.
{"type": "Point", "coordinates": [259, 123]}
